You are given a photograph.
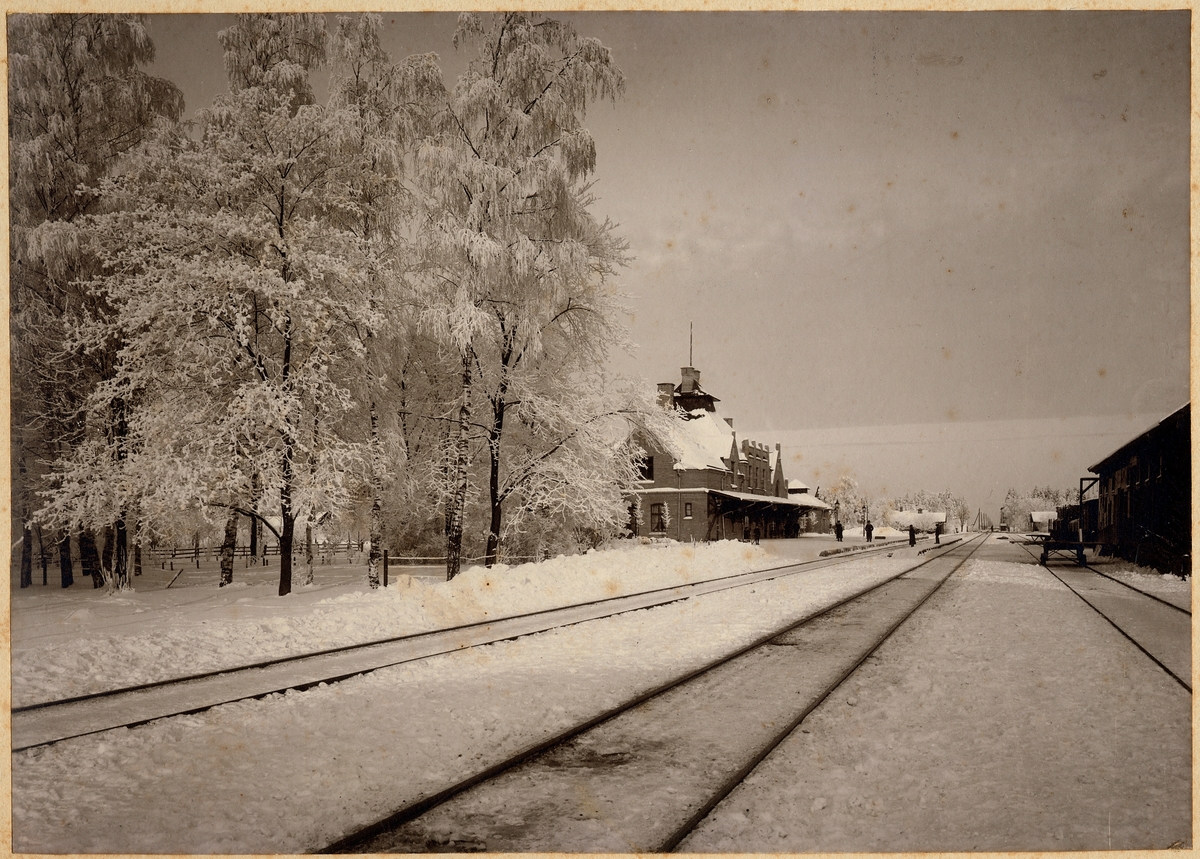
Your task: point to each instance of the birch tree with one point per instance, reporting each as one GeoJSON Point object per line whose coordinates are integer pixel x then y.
{"type": "Point", "coordinates": [388, 104]}
{"type": "Point", "coordinates": [512, 246]}
{"type": "Point", "coordinates": [78, 100]}
{"type": "Point", "coordinates": [236, 291]}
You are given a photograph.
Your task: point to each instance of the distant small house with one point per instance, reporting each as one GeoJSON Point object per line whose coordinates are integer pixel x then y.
{"type": "Point", "coordinates": [715, 486]}
{"type": "Point", "coordinates": [1041, 519]}
{"type": "Point", "coordinates": [922, 520]}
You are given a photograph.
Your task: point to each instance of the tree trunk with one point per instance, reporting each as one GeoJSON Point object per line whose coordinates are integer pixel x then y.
{"type": "Point", "coordinates": [89, 558]}
{"type": "Point", "coordinates": [43, 555]}
{"type": "Point", "coordinates": [121, 534]}
{"type": "Point", "coordinates": [121, 555]}
{"type": "Point", "coordinates": [106, 556]}
{"type": "Point", "coordinates": [254, 523]}
{"type": "Point", "coordinates": [497, 430]}
{"type": "Point", "coordinates": [376, 535]}
{"type": "Point", "coordinates": [26, 556]}
{"type": "Point", "coordinates": [457, 501]}
{"type": "Point", "coordinates": [287, 483]}
{"type": "Point", "coordinates": [64, 559]}
{"type": "Point", "coordinates": [228, 547]}
{"type": "Point", "coordinates": [26, 534]}
{"type": "Point", "coordinates": [308, 555]}
{"type": "Point", "coordinates": [286, 535]}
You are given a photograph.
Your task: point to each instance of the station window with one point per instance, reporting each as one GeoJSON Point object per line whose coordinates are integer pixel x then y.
{"type": "Point", "coordinates": [687, 510]}
{"type": "Point", "coordinates": [658, 521]}
{"type": "Point", "coordinates": [647, 468]}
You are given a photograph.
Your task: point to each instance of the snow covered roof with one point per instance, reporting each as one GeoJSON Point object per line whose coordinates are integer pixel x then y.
{"type": "Point", "coordinates": [804, 502]}
{"type": "Point", "coordinates": [703, 439]}
{"type": "Point", "coordinates": [904, 518]}
{"type": "Point", "coordinates": [1043, 515]}
{"type": "Point", "coordinates": [772, 499]}
{"type": "Point", "coordinates": [795, 485]}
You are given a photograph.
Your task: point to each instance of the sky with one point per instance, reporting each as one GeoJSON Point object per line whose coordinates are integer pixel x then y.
{"type": "Point", "coordinates": [911, 232]}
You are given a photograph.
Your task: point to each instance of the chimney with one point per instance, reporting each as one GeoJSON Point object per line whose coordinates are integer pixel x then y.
{"type": "Point", "coordinates": [730, 422]}
{"type": "Point", "coordinates": [665, 391]}
{"type": "Point", "coordinates": [691, 379]}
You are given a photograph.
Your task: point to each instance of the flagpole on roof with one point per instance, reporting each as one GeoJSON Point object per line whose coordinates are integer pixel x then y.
{"type": "Point", "coordinates": [690, 364]}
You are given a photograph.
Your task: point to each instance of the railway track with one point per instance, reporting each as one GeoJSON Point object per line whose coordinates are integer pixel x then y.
{"type": "Point", "coordinates": [1159, 628]}
{"type": "Point", "coordinates": [641, 776]}
{"type": "Point", "coordinates": [45, 723]}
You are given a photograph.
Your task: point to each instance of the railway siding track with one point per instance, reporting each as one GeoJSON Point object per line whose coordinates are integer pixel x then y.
{"type": "Point", "coordinates": [1162, 631]}
{"type": "Point", "coordinates": [49, 722]}
{"type": "Point", "coordinates": [1159, 628]}
{"type": "Point", "coordinates": [642, 779]}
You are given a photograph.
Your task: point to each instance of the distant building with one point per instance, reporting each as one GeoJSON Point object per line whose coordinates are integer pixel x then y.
{"type": "Point", "coordinates": [717, 487]}
{"type": "Point", "coordinates": [921, 519]}
{"type": "Point", "coordinates": [1042, 519]}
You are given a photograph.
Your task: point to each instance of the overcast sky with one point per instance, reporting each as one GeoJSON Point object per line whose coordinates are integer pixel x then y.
{"type": "Point", "coordinates": [950, 226]}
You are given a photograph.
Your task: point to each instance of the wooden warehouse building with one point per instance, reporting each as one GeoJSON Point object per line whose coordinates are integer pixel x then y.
{"type": "Point", "coordinates": [1145, 487]}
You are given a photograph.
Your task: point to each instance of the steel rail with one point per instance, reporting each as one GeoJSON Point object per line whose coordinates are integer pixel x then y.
{"type": "Point", "coordinates": [671, 594]}
{"type": "Point", "coordinates": [1086, 566]}
{"type": "Point", "coordinates": [783, 569]}
{"type": "Point", "coordinates": [1184, 683]}
{"type": "Point", "coordinates": [729, 785]}
{"type": "Point", "coordinates": [412, 810]}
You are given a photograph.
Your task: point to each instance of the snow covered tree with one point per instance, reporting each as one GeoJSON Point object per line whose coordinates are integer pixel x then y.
{"type": "Point", "coordinates": [236, 291]}
{"type": "Point", "coordinates": [847, 499]}
{"type": "Point", "coordinates": [78, 100]}
{"type": "Point", "coordinates": [960, 512]}
{"type": "Point", "coordinates": [1018, 506]}
{"type": "Point", "coordinates": [513, 251]}
{"type": "Point", "coordinates": [389, 106]}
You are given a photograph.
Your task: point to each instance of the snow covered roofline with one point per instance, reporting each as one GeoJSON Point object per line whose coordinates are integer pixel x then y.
{"type": "Point", "coordinates": [904, 518]}
{"type": "Point", "coordinates": [703, 439]}
{"type": "Point", "coordinates": [803, 502]}
{"type": "Point", "coordinates": [1122, 452]}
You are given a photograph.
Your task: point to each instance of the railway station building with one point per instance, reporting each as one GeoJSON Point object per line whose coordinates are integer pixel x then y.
{"type": "Point", "coordinates": [715, 486]}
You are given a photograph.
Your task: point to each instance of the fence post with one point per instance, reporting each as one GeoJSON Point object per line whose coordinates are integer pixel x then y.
{"type": "Point", "coordinates": [385, 560]}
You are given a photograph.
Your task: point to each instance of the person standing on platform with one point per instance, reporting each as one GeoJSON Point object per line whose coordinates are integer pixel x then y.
{"type": "Point", "coordinates": [837, 531]}
{"type": "Point", "coordinates": [912, 536]}
{"type": "Point", "coordinates": [869, 529]}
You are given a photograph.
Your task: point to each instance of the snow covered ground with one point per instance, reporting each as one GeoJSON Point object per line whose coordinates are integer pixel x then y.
{"type": "Point", "coordinates": [978, 688]}
{"type": "Point", "coordinates": [296, 771]}
{"type": "Point", "coordinates": [1005, 716]}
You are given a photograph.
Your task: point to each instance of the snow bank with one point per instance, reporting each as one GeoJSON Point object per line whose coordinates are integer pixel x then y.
{"type": "Point", "coordinates": [252, 624]}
